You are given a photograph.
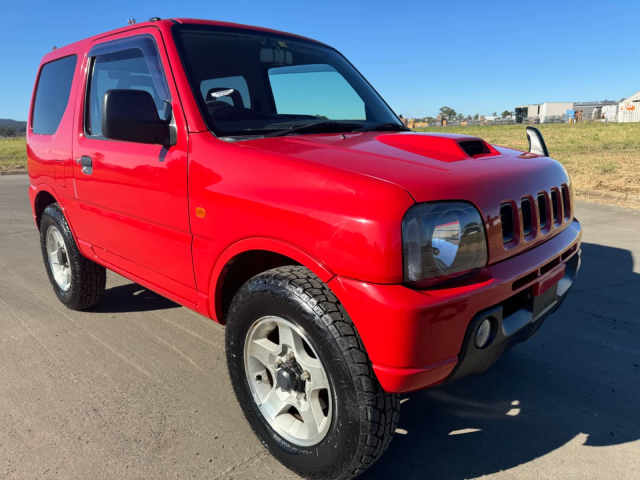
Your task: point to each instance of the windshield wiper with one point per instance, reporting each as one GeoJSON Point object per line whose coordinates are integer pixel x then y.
{"type": "Point", "coordinates": [317, 126]}
{"type": "Point", "coordinates": [381, 127]}
{"type": "Point", "coordinates": [322, 126]}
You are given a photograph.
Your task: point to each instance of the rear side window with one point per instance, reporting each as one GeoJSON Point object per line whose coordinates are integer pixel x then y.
{"type": "Point", "coordinates": [52, 95]}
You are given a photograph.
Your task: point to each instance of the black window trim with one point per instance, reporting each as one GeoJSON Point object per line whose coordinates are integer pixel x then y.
{"type": "Point", "coordinates": [35, 93]}
{"type": "Point", "coordinates": [114, 46]}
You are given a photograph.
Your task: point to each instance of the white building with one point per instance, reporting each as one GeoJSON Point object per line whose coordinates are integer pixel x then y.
{"type": "Point", "coordinates": [610, 113]}
{"type": "Point", "coordinates": [554, 111]}
{"type": "Point", "coordinates": [533, 112]}
{"type": "Point", "coordinates": [544, 112]}
{"type": "Point", "coordinates": [629, 109]}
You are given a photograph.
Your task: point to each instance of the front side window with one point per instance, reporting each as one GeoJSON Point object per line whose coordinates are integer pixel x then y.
{"type": "Point", "coordinates": [52, 95]}
{"type": "Point", "coordinates": [250, 83]}
{"type": "Point", "coordinates": [129, 64]}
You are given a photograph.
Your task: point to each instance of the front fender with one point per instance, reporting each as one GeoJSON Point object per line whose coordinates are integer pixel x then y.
{"type": "Point", "coordinates": [272, 245]}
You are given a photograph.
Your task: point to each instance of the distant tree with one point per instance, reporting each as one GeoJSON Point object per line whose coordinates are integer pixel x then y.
{"type": "Point", "coordinates": [460, 117]}
{"type": "Point", "coordinates": [495, 114]}
{"type": "Point", "coordinates": [506, 113]}
{"type": "Point", "coordinates": [447, 112]}
{"type": "Point", "coordinates": [476, 116]}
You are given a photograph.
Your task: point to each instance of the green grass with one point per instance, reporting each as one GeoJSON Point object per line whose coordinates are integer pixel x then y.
{"type": "Point", "coordinates": [13, 154]}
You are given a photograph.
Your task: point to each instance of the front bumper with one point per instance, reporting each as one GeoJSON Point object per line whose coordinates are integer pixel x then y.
{"type": "Point", "coordinates": [419, 338]}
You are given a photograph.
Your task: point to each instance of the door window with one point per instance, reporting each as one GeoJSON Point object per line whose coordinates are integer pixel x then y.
{"type": "Point", "coordinates": [129, 64]}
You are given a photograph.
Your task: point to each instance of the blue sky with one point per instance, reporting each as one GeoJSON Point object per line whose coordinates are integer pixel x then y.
{"type": "Point", "coordinates": [475, 56]}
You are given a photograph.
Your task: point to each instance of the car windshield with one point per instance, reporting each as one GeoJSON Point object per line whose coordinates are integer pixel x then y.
{"type": "Point", "coordinates": [251, 83]}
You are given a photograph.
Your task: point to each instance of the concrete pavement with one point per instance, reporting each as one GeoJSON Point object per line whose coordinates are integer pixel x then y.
{"type": "Point", "coordinates": [139, 388]}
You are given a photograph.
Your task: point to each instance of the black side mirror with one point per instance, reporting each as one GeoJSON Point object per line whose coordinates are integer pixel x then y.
{"type": "Point", "coordinates": [536, 142]}
{"type": "Point", "coordinates": [131, 115]}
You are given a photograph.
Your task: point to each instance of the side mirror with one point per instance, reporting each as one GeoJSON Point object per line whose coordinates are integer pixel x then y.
{"type": "Point", "coordinates": [131, 115]}
{"type": "Point", "coordinates": [536, 142]}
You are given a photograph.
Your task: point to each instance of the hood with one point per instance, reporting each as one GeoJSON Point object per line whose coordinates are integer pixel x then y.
{"type": "Point", "coordinates": [428, 166]}
{"type": "Point", "coordinates": [431, 167]}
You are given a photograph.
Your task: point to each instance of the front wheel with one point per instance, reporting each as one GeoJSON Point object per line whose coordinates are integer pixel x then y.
{"type": "Point", "coordinates": [303, 378]}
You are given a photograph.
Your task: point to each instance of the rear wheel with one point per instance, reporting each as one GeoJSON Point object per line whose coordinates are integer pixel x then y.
{"type": "Point", "coordinates": [78, 282]}
{"type": "Point", "coordinates": [303, 378]}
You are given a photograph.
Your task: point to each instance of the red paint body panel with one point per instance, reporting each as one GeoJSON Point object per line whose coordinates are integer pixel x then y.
{"type": "Point", "coordinates": [413, 337]}
{"type": "Point", "coordinates": [136, 191]}
{"type": "Point", "coordinates": [487, 182]}
{"type": "Point", "coordinates": [332, 214]}
{"type": "Point", "coordinates": [445, 148]}
{"type": "Point", "coordinates": [331, 202]}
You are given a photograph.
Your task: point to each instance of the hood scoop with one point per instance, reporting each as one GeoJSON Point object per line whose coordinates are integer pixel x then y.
{"type": "Point", "coordinates": [446, 148]}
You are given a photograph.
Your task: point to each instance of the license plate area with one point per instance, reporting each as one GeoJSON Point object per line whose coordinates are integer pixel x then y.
{"type": "Point", "coordinates": [545, 292]}
{"type": "Point", "coordinates": [545, 300]}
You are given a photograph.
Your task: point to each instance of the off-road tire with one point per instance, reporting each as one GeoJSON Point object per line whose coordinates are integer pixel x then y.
{"type": "Point", "coordinates": [88, 279]}
{"type": "Point", "coordinates": [364, 417]}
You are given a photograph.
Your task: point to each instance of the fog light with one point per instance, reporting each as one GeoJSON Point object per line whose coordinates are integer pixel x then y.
{"type": "Point", "coordinates": [483, 333]}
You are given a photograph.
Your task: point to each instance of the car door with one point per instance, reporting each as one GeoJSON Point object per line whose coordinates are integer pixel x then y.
{"type": "Point", "coordinates": [132, 197]}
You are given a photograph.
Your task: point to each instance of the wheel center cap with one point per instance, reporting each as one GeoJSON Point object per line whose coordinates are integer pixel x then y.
{"type": "Point", "coordinates": [288, 378]}
{"type": "Point", "coordinates": [62, 258]}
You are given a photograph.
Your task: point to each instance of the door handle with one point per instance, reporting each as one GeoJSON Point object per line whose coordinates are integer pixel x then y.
{"type": "Point", "coordinates": [87, 164]}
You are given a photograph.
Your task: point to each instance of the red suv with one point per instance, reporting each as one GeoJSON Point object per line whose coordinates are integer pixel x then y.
{"type": "Point", "coordinates": [257, 178]}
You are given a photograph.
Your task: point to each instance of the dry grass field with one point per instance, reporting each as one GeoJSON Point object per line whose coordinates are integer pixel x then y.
{"type": "Point", "coordinates": [603, 159]}
{"type": "Point", "coordinates": [13, 154]}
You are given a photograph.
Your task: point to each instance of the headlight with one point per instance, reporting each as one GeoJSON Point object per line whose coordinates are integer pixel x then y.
{"type": "Point", "coordinates": [441, 240]}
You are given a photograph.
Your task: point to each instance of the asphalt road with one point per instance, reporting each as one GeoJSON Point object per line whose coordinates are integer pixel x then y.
{"type": "Point", "coordinates": [139, 390]}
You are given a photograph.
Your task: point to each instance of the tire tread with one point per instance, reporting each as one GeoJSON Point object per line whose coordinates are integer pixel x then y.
{"type": "Point", "coordinates": [379, 411]}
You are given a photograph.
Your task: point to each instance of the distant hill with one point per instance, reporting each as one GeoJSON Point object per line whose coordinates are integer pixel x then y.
{"type": "Point", "coordinates": [11, 128]}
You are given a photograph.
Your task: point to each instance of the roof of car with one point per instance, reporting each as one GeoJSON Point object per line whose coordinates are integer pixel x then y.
{"type": "Point", "coordinates": [81, 44]}
{"type": "Point", "coordinates": [239, 26]}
